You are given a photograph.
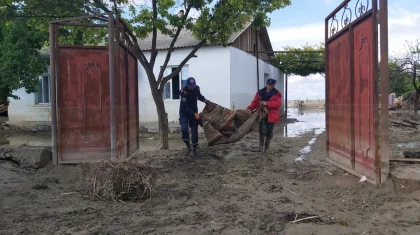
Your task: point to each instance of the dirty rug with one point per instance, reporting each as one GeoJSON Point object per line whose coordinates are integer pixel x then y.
{"type": "Point", "coordinates": [224, 126]}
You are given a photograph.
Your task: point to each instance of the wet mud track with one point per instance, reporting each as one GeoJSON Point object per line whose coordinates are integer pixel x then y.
{"type": "Point", "coordinates": [228, 189]}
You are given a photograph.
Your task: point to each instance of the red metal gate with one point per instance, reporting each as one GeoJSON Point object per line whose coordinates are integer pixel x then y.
{"type": "Point", "coordinates": [83, 104]}
{"type": "Point", "coordinates": [94, 94]}
{"type": "Point", "coordinates": [352, 88]}
{"type": "Point", "coordinates": [127, 103]}
{"type": "Point", "coordinates": [127, 92]}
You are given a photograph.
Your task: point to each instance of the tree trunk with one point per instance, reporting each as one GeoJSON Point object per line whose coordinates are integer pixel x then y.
{"type": "Point", "coordinates": [162, 120]}
{"type": "Point", "coordinates": [416, 104]}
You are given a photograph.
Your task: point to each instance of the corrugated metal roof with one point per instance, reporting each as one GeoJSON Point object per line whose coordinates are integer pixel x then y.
{"type": "Point", "coordinates": [185, 39]}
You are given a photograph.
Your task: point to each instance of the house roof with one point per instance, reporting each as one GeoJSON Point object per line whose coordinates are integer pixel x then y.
{"type": "Point", "coordinates": [266, 40]}
{"type": "Point", "coordinates": [186, 39]}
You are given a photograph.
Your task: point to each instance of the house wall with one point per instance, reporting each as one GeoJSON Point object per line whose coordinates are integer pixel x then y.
{"type": "Point", "coordinates": [210, 68]}
{"type": "Point", "coordinates": [243, 73]}
{"type": "Point", "coordinates": [25, 109]}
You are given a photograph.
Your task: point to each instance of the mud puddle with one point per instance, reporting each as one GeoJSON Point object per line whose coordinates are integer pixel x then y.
{"type": "Point", "coordinates": [151, 144]}
{"type": "Point", "coordinates": [307, 149]}
{"type": "Point", "coordinates": [409, 146]}
{"type": "Point", "coordinates": [29, 140]}
{"type": "Point", "coordinates": [408, 150]}
{"type": "Point", "coordinates": [308, 121]}
{"type": "Point", "coordinates": [4, 141]}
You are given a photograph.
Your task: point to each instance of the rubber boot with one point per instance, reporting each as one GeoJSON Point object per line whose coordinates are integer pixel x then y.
{"type": "Point", "coordinates": [261, 147]}
{"type": "Point", "coordinates": [187, 143]}
{"type": "Point", "coordinates": [267, 144]}
{"type": "Point", "coordinates": [194, 151]}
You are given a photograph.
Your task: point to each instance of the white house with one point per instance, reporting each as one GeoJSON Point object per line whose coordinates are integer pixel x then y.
{"type": "Point", "coordinates": [33, 108]}
{"type": "Point", "coordinates": [227, 75]}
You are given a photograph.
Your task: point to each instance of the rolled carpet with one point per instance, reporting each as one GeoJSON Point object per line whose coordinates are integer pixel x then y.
{"type": "Point", "coordinates": [224, 126]}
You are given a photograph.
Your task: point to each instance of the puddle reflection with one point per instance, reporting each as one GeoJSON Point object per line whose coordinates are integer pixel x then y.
{"type": "Point", "coordinates": [308, 121]}
{"type": "Point", "coordinates": [410, 146]}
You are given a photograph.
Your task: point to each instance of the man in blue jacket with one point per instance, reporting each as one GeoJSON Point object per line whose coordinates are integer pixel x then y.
{"type": "Point", "coordinates": [188, 113]}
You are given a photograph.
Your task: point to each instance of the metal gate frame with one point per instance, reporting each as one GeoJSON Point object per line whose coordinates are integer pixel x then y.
{"type": "Point", "coordinates": [380, 97]}
{"type": "Point", "coordinates": [119, 35]}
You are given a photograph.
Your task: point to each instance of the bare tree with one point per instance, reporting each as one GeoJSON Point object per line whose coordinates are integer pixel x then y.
{"type": "Point", "coordinates": [409, 63]}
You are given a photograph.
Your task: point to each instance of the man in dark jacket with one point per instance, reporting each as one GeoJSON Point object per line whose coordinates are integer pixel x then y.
{"type": "Point", "coordinates": [270, 97]}
{"type": "Point", "coordinates": [188, 113]}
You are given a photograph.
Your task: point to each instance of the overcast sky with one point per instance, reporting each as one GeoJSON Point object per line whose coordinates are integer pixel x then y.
{"type": "Point", "coordinates": [303, 22]}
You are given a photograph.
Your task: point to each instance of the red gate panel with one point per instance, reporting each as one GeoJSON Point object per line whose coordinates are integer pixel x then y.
{"type": "Point", "coordinates": [84, 100]}
{"type": "Point", "coordinates": [81, 95]}
{"type": "Point", "coordinates": [83, 104]}
{"type": "Point", "coordinates": [121, 93]}
{"type": "Point", "coordinates": [339, 105]}
{"type": "Point", "coordinates": [352, 99]}
{"type": "Point", "coordinates": [127, 100]}
{"type": "Point", "coordinates": [365, 101]}
{"type": "Point", "coordinates": [133, 106]}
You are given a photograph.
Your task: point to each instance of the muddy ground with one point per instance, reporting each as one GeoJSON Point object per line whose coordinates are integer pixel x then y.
{"type": "Point", "coordinates": [403, 138]}
{"type": "Point", "coordinates": [226, 190]}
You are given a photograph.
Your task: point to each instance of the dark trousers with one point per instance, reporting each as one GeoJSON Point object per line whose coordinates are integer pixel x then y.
{"type": "Point", "coordinates": [193, 124]}
{"type": "Point", "coordinates": [266, 129]}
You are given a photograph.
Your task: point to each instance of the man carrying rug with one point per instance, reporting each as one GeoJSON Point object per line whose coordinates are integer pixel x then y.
{"type": "Point", "coordinates": [270, 97]}
{"type": "Point", "coordinates": [188, 113]}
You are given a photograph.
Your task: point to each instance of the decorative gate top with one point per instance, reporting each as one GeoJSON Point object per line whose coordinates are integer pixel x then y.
{"type": "Point", "coordinates": [349, 11]}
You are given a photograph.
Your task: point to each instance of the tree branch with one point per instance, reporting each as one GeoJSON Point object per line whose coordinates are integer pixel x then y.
{"type": "Point", "coordinates": [171, 46]}
{"type": "Point", "coordinates": [401, 71]}
{"type": "Point", "coordinates": [99, 4]}
{"type": "Point", "coordinates": [415, 76]}
{"type": "Point", "coordinates": [140, 56]}
{"type": "Point", "coordinates": [149, 71]}
{"type": "Point", "coordinates": [154, 37]}
{"type": "Point", "coordinates": [178, 69]}
{"type": "Point", "coordinates": [115, 7]}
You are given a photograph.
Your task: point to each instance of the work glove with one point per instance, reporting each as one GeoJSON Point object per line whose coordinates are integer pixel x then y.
{"type": "Point", "coordinates": [207, 102]}
{"type": "Point", "coordinates": [197, 116]}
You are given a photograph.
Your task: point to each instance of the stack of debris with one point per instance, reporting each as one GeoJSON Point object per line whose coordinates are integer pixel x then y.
{"type": "Point", "coordinates": [406, 123]}
{"type": "Point", "coordinates": [3, 108]}
{"type": "Point", "coordinates": [116, 181]}
{"type": "Point", "coordinates": [408, 104]}
{"type": "Point", "coordinates": [410, 154]}
{"type": "Point", "coordinates": [396, 105]}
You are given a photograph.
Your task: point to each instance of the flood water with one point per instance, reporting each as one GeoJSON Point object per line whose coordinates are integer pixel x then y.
{"type": "Point", "coordinates": [308, 121]}
{"type": "Point", "coordinates": [409, 146]}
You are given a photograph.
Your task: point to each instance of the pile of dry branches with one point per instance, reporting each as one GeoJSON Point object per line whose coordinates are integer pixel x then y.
{"type": "Point", "coordinates": [409, 102]}
{"type": "Point", "coordinates": [405, 123]}
{"type": "Point", "coordinates": [118, 181]}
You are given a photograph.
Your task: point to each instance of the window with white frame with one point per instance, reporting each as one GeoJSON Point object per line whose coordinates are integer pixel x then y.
{"type": "Point", "coordinates": [43, 94]}
{"type": "Point", "coordinates": [172, 87]}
